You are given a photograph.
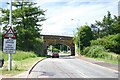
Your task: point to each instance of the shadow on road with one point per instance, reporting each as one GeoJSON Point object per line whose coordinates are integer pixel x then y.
{"type": "Point", "coordinates": [64, 56]}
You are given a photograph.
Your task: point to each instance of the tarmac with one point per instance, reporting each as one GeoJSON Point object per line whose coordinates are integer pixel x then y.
{"type": "Point", "coordinates": [101, 63]}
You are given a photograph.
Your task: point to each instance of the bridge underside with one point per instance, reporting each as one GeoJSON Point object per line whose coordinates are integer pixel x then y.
{"type": "Point", "coordinates": [50, 40]}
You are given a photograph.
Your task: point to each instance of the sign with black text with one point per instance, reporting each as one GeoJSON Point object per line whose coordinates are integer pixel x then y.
{"type": "Point", "coordinates": [9, 46]}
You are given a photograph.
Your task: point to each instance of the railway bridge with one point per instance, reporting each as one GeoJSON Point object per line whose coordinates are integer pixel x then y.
{"type": "Point", "coordinates": [55, 39]}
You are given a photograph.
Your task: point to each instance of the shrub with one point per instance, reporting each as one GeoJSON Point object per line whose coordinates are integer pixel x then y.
{"type": "Point", "coordinates": [96, 51]}
{"type": "Point", "coordinates": [86, 50]}
{"type": "Point", "coordinates": [111, 43]}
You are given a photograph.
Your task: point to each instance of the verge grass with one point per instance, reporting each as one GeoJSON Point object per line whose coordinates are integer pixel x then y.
{"type": "Point", "coordinates": [22, 61]}
{"type": "Point", "coordinates": [105, 60]}
{"type": "Point", "coordinates": [20, 55]}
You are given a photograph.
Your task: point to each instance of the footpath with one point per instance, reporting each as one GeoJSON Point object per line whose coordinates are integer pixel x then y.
{"type": "Point", "coordinates": [101, 63]}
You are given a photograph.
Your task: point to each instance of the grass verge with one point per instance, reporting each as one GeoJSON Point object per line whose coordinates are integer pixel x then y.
{"type": "Point", "coordinates": [106, 60]}
{"type": "Point", "coordinates": [21, 62]}
{"type": "Point", "coordinates": [19, 66]}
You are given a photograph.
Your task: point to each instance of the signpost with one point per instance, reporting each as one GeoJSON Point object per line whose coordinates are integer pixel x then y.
{"type": "Point", "coordinates": [9, 44]}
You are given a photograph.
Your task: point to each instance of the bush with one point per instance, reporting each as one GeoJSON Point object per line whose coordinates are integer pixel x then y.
{"type": "Point", "coordinates": [111, 43]}
{"type": "Point", "coordinates": [85, 51]}
{"type": "Point", "coordinates": [99, 52]}
{"type": "Point", "coordinates": [95, 51]}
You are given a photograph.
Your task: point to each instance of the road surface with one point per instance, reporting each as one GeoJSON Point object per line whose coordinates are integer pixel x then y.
{"type": "Point", "coordinates": [70, 67]}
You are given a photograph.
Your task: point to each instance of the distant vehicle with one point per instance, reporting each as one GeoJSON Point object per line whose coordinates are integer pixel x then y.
{"type": "Point", "coordinates": [68, 51]}
{"type": "Point", "coordinates": [55, 55]}
{"type": "Point", "coordinates": [1, 62]}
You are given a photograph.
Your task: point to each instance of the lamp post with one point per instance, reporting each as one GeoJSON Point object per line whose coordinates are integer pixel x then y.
{"type": "Point", "coordinates": [79, 45]}
{"type": "Point", "coordinates": [77, 34]}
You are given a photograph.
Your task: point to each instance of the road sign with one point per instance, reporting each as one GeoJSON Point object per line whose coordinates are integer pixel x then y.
{"type": "Point", "coordinates": [9, 46]}
{"type": "Point", "coordinates": [10, 33]}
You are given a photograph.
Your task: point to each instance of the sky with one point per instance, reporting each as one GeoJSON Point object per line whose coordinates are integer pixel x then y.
{"type": "Point", "coordinates": [64, 16]}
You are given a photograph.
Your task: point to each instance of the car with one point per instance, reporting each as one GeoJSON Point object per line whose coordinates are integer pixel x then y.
{"type": "Point", "coordinates": [1, 62]}
{"type": "Point", "coordinates": [55, 55]}
{"type": "Point", "coordinates": [68, 51]}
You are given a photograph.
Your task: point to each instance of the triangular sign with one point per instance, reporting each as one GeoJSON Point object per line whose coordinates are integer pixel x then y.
{"type": "Point", "coordinates": [10, 33]}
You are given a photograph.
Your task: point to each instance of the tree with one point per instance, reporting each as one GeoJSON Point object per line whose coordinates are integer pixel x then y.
{"type": "Point", "coordinates": [96, 31]}
{"type": "Point", "coordinates": [116, 24]}
{"type": "Point", "coordinates": [83, 37]}
{"type": "Point", "coordinates": [108, 25]}
{"type": "Point", "coordinates": [26, 19]}
{"type": "Point", "coordinates": [61, 47]}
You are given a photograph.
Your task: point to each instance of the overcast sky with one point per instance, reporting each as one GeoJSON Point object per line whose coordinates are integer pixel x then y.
{"type": "Point", "coordinates": [64, 16]}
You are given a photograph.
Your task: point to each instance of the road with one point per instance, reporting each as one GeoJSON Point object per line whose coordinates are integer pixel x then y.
{"type": "Point", "coordinates": [70, 67]}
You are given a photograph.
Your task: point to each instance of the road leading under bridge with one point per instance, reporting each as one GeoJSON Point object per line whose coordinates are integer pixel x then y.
{"type": "Point", "coordinates": [70, 67]}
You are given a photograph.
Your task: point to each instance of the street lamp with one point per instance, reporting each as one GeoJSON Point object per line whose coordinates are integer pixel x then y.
{"type": "Point", "coordinates": [77, 34]}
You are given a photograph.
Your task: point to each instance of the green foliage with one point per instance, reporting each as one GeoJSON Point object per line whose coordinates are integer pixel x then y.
{"type": "Point", "coordinates": [111, 42]}
{"type": "Point", "coordinates": [83, 37]}
{"type": "Point", "coordinates": [98, 51]}
{"type": "Point", "coordinates": [20, 55]}
{"type": "Point", "coordinates": [56, 50]}
{"type": "Point", "coordinates": [61, 47]}
{"type": "Point", "coordinates": [95, 51]}
{"type": "Point", "coordinates": [38, 47]}
{"type": "Point", "coordinates": [109, 33]}
{"type": "Point", "coordinates": [108, 25]}
{"type": "Point", "coordinates": [85, 51]}
{"type": "Point", "coordinates": [26, 17]}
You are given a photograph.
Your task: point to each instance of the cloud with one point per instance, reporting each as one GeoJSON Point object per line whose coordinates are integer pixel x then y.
{"type": "Point", "coordinates": [61, 12]}
{"type": "Point", "coordinates": [59, 16]}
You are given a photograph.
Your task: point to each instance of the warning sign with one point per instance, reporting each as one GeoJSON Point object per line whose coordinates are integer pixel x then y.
{"type": "Point", "coordinates": [10, 34]}
{"type": "Point", "coordinates": [9, 46]}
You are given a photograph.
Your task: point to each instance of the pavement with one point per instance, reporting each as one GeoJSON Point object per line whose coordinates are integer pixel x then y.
{"type": "Point", "coordinates": [101, 63]}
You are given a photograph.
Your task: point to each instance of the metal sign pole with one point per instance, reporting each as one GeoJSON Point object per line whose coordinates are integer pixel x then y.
{"type": "Point", "coordinates": [10, 62]}
{"type": "Point", "coordinates": [10, 54]}
{"type": "Point", "coordinates": [10, 17]}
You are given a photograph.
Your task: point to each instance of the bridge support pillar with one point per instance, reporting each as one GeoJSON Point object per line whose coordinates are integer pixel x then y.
{"type": "Point", "coordinates": [73, 50]}
{"type": "Point", "coordinates": [45, 48]}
